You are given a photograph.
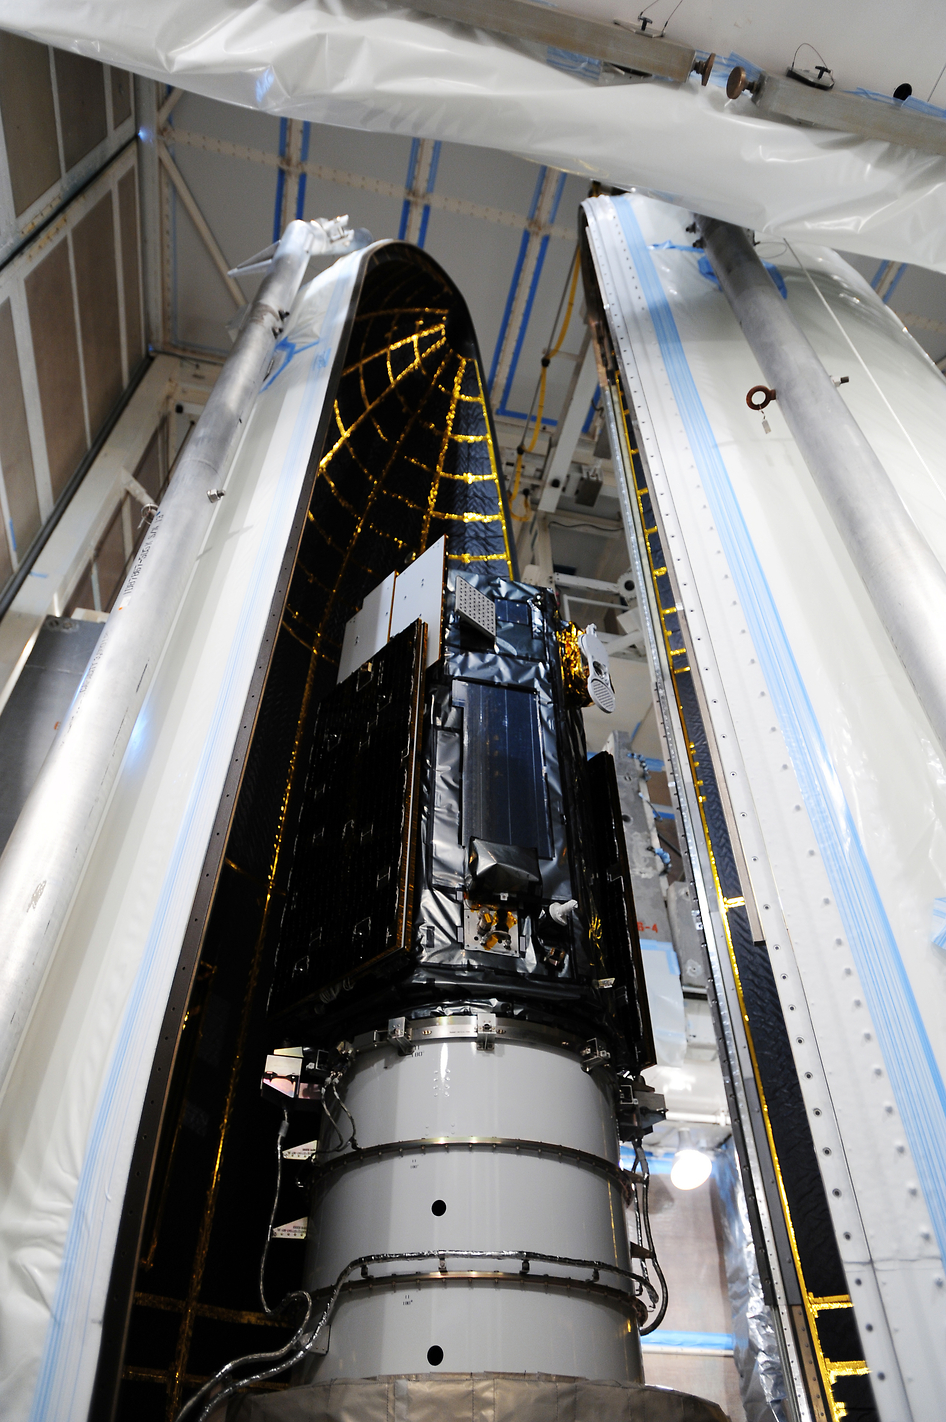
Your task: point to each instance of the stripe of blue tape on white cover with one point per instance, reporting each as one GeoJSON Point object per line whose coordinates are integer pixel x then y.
{"type": "Point", "coordinates": [908, 1054]}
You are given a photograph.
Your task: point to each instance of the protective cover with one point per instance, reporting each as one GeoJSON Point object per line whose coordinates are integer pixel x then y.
{"type": "Point", "coordinates": [475, 1397]}
{"type": "Point", "coordinates": [71, 1111]}
{"type": "Point", "coordinates": [371, 66]}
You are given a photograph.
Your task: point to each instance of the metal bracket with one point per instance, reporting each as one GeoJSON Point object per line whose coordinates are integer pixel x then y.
{"type": "Point", "coordinates": [594, 1055]}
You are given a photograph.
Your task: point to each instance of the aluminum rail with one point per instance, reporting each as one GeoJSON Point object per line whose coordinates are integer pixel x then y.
{"type": "Point", "coordinates": [45, 856]}
{"type": "Point", "coordinates": [538, 23]}
{"type": "Point", "coordinates": [905, 580]}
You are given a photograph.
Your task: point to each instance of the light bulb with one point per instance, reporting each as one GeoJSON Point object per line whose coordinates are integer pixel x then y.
{"type": "Point", "coordinates": [690, 1169]}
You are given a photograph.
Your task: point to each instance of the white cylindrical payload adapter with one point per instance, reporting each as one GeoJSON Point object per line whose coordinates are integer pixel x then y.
{"type": "Point", "coordinates": [488, 1169]}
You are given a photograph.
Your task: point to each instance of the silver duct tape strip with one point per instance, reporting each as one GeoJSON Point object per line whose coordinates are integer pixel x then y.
{"type": "Point", "coordinates": [755, 1345]}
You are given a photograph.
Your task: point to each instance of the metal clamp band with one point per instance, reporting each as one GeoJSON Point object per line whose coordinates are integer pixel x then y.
{"type": "Point", "coordinates": [478, 1026]}
{"type": "Point", "coordinates": [622, 1178]}
{"type": "Point", "coordinates": [607, 1293]}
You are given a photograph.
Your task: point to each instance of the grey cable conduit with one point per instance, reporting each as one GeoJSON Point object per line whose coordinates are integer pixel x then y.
{"type": "Point", "coordinates": [904, 578]}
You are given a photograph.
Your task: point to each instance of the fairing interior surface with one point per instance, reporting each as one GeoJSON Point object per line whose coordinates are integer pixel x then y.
{"type": "Point", "coordinates": [72, 1108]}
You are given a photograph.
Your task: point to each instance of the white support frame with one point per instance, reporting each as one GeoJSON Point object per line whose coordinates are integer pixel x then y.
{"type": "Point", "coordinates": [169, 381]}
{"type": "Point", "coordinates": [189, 203]}
{"type": "Point", "coordinates": [581, 388]}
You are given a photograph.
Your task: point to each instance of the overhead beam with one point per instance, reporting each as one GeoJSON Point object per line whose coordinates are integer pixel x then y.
{"type": "Point", "coordinates": [189, 204]}
{"type": "Point", "coordinates": [774, 97]}
{"type": "Point", "coordinates": [291, 186]}
{"type": "Point", "coordinates": [642, 53]}
{"type": "Point", "coordinates": [540, 24]}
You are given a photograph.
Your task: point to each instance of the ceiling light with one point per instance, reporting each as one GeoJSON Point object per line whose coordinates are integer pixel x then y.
{"type": "Point", "coordinates": [691, 1167]}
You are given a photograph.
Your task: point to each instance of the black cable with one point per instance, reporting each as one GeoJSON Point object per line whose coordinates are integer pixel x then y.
{"type": "Point", "coordinates": [214, 1401]}
{"type": "Point", "coordinates": [280, 1137]}
{"type": "Point", "coordinates": [352, 1140]}
{"type": "Point", "coordinates": [672, 847]}
{"type": "Point", "coordinates": [805, 45]}
{"type": "Point", "coordinates": [305, 1339]}
{"type": "Point", "coordinates": [644, 1170]}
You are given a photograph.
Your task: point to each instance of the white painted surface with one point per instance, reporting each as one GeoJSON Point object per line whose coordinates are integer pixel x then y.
{"type": "Point", "coordinates": [842, 969]}
{"type": "Point", "coordinates": [571, 420]}
{"type": "Point", "coordinates": [485, 1200]}
{"type": "Point", "coordinates": [367, 632]}
{"type": "Point", "coordinates": [418, 593]}
{"type": "Point", "coordinates": [665, 1000]}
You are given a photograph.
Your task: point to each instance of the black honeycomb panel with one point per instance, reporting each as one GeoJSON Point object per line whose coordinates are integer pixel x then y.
{"type": "Point", "coordinates": [346, 895]}
{"type": "Point", "coordinates": [620, 943]}
{"type": "Point", "coordinates": [857, 1396]}
{"type": "Point", "coordinates": [837, 1329]}
{"type": "Point", "coordinates": [804, 1188]}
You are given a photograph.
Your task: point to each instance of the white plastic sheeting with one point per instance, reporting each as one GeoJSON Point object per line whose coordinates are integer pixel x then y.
{"type": "Point", "coordinates": [837, 786]}
{"type": "Point", "coordinates": [69, 1116]}
{"type": "Point", "coordinates": [371, 66]}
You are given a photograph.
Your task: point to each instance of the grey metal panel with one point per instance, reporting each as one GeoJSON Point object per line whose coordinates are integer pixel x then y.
{"type": "Point", "coordinates": [852, 113]}
{"type": "Point", "coordinates": [37, 706]}
{"type": "Point", "coordinates": [96, 278]}
{"type": "Point", "coordinates": [16, 456]}
{"type": "Point", "coordinates": [646, 868]}
{"type": "Point", "coordinates": [58, 372]}
{"type": "Point", "coordinates": [80, 86]}
{"type": "Point", "coordinates": [121, 83]}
